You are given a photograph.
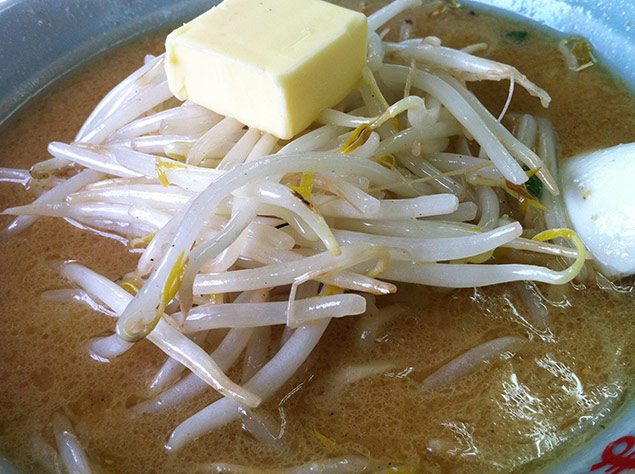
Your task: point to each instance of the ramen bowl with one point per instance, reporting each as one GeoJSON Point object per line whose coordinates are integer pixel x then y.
{"type": "Point", "coordinates": [43, 42]}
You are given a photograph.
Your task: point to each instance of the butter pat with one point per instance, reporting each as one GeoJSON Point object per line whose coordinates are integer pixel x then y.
{"type": "Point", "coordinates": [270, 64]}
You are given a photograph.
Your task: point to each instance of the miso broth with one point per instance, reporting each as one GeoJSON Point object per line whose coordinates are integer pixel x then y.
{"type": "Point", "coordinates": [502, 417]}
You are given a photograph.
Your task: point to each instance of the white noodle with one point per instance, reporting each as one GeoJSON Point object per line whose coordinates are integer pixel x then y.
{"type": "Point", "coordinates": [532, 299]}
{"type": "Point", "coordinates": [343, 465]}
{"type": "Point", "coordinates": [354, 373]}
{"type": "Point", "coordinates": [70, 449]}
{"type": "Point", "coordinates": [45, 455]}
{"type": "Point", "coordinates": [6, 467]}
{"type": "Point", "coordinates": [471, 359]}
{"type": "Point", "coordinates": [368, 326]}
{"type": "Point", "coordinates": [256, 352]}
{"type": "Point", "coordinates": [261, 426]}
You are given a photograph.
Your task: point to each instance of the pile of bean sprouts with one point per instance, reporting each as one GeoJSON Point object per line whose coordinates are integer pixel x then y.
{"type": "Point", "coordinates": [409, 179]}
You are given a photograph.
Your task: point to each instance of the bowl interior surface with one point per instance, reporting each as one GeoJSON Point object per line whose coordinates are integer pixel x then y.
{"type": "Point", "coordinates": [43, 41]}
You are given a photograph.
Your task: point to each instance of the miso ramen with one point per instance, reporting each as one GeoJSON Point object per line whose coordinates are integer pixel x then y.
{"type": "Point", "coordinates": [371, 388]}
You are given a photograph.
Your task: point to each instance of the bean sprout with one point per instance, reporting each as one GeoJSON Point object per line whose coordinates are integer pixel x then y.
{"type": "Point", "coordinates": [378, 191]}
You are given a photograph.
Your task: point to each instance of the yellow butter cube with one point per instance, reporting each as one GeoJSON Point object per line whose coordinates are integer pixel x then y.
{"type": "Point", "coordinates": [271, 64]}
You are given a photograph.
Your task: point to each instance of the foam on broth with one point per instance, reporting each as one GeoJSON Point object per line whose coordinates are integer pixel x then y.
{"type": "Point", "coordinates": [501, 416]}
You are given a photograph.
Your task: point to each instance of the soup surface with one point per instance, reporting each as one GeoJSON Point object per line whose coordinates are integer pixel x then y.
{"type": "Point", "coordinates": [501, 417]}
